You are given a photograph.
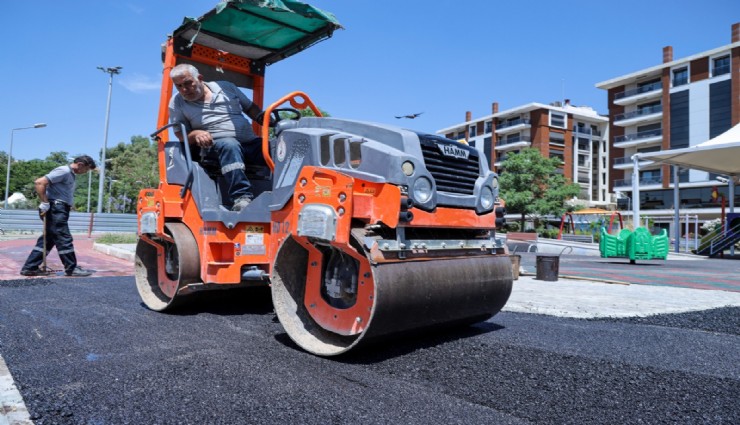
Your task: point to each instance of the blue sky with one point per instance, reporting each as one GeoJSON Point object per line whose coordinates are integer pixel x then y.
{"type": "Point", "coordinates": [393, 58]}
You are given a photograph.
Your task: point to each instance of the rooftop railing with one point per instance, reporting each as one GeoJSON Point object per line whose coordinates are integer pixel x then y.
{"type": "Point", "coordinates": [512, 123]}
{"type": "Point", "coordinates": [658, 85]}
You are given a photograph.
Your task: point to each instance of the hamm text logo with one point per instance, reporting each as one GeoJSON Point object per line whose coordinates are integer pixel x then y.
{"type": "Point", "coordinates": [454, 151]}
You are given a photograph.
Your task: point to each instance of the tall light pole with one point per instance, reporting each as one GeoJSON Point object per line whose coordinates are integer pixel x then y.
{"type": "Point", "coordinates": [89, 188]}
{"type": "Point", "coordinates": [111, 71]}
{"type": "Point", "coordinates": [110, 192]}
{"type": "Point", "coordinates": [10, 155]}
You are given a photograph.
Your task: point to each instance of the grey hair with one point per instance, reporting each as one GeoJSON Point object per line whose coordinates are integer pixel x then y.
{"type": "Point", "coordinates": [182, 69]}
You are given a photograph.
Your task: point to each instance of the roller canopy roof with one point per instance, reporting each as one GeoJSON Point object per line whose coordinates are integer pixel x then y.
{"type": "Point", "coordinates": [265, 31]}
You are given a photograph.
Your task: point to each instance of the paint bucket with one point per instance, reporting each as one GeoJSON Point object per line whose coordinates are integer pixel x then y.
{"type": "Point", "coordinates": [516, 261]}
{"type": "Point", "coordinates": [548, 266]}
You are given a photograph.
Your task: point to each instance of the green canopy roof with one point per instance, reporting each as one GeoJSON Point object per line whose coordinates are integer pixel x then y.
{"type": "Point", "coordinates": [265, 31]}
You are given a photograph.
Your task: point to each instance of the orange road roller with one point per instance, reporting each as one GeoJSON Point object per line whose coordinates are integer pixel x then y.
{"type": "Point", "coordinates": [361, 230]}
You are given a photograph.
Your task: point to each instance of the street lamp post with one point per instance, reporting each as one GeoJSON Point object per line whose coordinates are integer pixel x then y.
{"type": "Point", "coordinates": [89, 188]}
{"type": "Point", "coordinates": [10, 155]}
{"type": "Point", "coordinates": [110, 192]}
{"type": "Point", "coordinates": [111, 71]}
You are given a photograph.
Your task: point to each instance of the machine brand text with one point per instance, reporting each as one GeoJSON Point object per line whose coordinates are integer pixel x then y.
{"type": "Point", "coordinates": [454, 151]}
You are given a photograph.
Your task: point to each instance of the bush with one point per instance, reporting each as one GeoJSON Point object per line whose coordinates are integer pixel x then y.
{"type": "Point", "coordinates": [116, 238]}
{"type": "Point", "coordinates": [549, 233]}
{"type": "Point", "coordinates": [512, 226]}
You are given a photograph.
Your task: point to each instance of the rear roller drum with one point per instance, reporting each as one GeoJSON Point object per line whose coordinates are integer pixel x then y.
{"type": "Point", "coordinates": [164, 265]}
{"type": "Point", "coordinates": [330, 298]}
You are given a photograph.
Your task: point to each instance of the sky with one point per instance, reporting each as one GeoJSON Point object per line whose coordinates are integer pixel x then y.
{"type": "Point", "coordinates": [393, 57]}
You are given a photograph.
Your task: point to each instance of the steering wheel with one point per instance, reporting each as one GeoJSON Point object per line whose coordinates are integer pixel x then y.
{"type": "Point", "coordinates": [275, 114]}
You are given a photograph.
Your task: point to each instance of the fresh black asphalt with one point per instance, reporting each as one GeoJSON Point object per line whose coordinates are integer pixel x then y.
{"type": "Point", "coordinates": [86, 351]}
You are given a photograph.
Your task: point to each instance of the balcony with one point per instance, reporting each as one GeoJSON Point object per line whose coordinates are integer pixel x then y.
{"type": "Point", "coordinates": [644, 181]}
{"type": "Point", "coordinates": [641, 116]}
{"type": "Point", "coordinates": [643, 138]}
{"type": "Point", "coordinates": [518, 124]}
{"type": "Point", "coordinates": [588, 131]}
{"type": "Point", "coordinates": [513, 143]}
{"type": "Point", "coordinates": [639, 94]}
{"type": "Point", "coordinates": [625, 163]}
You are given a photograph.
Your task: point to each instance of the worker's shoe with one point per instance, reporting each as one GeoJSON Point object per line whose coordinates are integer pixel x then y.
{"type": "Point", "coordinates": [31, 272]}
{"type": "Point", "coordinates": [79, 272]}
{"type": "Point", "coordinates": [241, 203]}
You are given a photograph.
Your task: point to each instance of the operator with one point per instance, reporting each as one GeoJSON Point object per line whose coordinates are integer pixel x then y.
{"type": "Point", "coordinates": [213, 116]}
{"type": "Point", "coordinates": [56, 192]}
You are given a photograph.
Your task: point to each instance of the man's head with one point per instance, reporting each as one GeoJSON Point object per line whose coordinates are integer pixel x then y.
{"type": "Point", "coordinates": [188, 82]}
{"type": "Point", "coordinates": [82, 164]}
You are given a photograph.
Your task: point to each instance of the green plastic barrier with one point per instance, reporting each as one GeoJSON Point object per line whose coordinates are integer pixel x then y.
{"type": "Point", "coordinates": [637, 245]}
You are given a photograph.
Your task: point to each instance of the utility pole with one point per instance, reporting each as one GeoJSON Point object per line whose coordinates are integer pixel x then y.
{"type": "Point", "coordinates": [111, 71]}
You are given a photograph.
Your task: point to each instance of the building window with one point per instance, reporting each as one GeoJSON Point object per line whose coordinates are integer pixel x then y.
{"type": "Point", "coordinates": [680, 76]}
{"type": "Point", "coordinates": [460, 135]}
{"type": "Point", "coordinates": [651, 177]}
{"type": "Point", "coordinates": [557, 138]}
{"type": "Point", "coordinates": [488, 127]}
{"type": "Point", "coordinates": [556, 153]}
{"type": "Point", "coordinates": [471, 131]}
{"type": "Point", "coordinates": [721, 65]}
{"type": "Point", "coordinates": [557, 119]}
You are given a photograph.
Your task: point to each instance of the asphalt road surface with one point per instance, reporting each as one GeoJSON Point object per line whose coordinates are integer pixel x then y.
{"type": "Point", "coordinates": [86, 351]}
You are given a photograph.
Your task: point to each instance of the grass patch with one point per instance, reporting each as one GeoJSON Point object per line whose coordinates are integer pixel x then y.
{"type": "Point", "coordinates": [116, 238]}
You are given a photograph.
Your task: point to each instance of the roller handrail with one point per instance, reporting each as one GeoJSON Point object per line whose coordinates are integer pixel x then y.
{"type": "Point", "coordinates": [188, 156]}
{"type": "Point", "coordinates": [293, 99]}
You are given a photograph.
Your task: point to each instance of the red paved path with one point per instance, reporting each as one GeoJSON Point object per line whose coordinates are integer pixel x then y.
{"type": "Point", "coordinates": [13, 254]}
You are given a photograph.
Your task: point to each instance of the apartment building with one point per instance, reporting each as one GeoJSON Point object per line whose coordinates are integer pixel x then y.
{"type": "Point", "coordinates": [576, 135]}
{"type": "Point", "coordinates": [676, 104]}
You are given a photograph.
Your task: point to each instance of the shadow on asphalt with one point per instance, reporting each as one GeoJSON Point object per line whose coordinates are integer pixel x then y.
{"type": "Point", "coordinates": [227, 302]}
{"type": "Point", "coordinates": [404, 343]}
{"type": "Point", "coordinates": [637, 263]}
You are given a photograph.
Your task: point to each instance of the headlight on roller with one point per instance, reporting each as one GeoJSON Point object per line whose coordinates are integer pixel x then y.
{"type": "Point", "coordinates": [486, 198]}
{"type": "Point", "coordinates": [494, 182]}
{"type": "Point", "coordinates": [408, 168]}
{"type": "Point", "coordinates": [422, 190]}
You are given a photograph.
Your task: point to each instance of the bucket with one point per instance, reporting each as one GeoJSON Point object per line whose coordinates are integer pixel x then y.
{"type": "Point", "coordinates": [548, 267]}
{"type": "Point", "coordinates": [516, 261]}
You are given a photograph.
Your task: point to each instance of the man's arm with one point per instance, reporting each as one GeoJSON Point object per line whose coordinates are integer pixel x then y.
{"type": "Point", "coordinates": [40, 184]}
{"type": "Point", "coordinates": [199, 138]}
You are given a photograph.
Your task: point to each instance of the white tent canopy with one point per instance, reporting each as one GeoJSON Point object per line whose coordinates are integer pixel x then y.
{"type": "Point", "coordinates": [720, 155]}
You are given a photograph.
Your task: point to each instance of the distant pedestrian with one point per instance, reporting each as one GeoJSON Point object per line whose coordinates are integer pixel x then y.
{"type": "Point", "coordinates": [56, 192]}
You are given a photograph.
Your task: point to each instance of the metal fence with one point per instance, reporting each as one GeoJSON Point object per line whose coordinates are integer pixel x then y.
{"type": "Point", "coordinates": [29, 221]}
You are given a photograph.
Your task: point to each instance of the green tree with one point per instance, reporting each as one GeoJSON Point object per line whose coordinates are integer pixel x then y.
{"type": "Point", "coordinates": [134, 167]}
{"type": "Point", "coordinates": [530, 185]}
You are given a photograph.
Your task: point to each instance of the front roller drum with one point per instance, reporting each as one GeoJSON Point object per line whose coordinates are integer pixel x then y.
{"type": "Point", "coordinates": [398, 297]}
{"type": "Point", "coordinates": [164, 265]}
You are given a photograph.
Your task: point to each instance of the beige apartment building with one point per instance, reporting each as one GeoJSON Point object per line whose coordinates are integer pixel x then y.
{"type": "Point", "coordinates": [577, 135]}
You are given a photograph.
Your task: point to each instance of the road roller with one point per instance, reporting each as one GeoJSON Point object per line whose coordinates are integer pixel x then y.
{"type": "Point", "coordinates": [361, 230]}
